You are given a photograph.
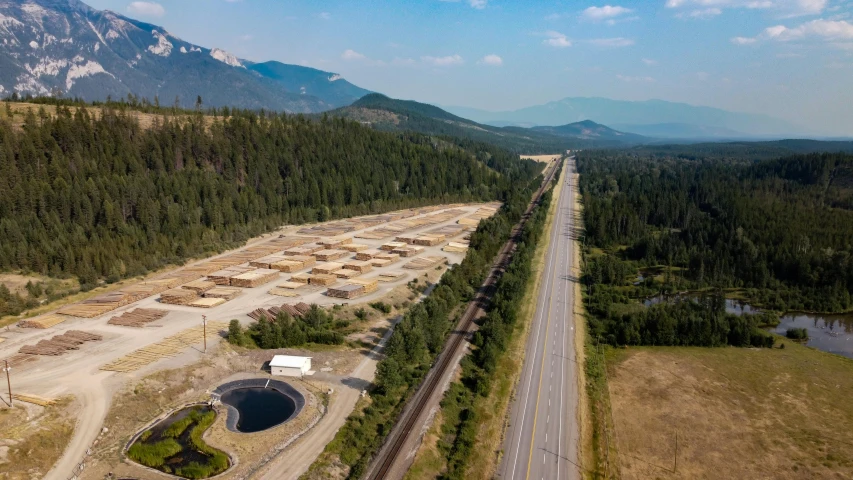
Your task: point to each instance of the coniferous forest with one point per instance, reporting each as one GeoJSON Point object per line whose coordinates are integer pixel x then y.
{"type": "Point", "coordinates": [96, 195]}
{"type": "Point", "coordinates": [778, 233]}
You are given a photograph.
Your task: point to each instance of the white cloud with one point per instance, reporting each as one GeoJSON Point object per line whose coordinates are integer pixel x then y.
{"type": "Point", "coordinates": [700, 13]}
{"type": "Point", "coordinates": [612, 42]}
{"type": "Point", "coordinates": [405, 62]}
{"type": "Point", "coordinates": [491, 60]}
{"type": "Point", "coordinates": [630, 79]}
{"type": "Point", "coordinates": [605, 12]}
{"type": "Point", "coordinates": [557, 40]}
{"type": "Point", "coordinates": [649, 62]}
{"type": "Point", "coordinates": [829, 30]}
{"type": "Point", "coordinates": [478, 4]}
{"type": "Point", "coordinates": [325, 15]}
{"type": "Point", "coordinates": [784, 8]}
{"type": "Point", "coordinates": [148, 9]}
{"type": "Point", "coordinates": [446, 61]}
{"type": "Point", "coordinates": [352, 55]}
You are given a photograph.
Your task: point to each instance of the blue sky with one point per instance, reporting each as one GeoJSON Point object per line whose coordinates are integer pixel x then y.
{"type": "Point", "coordinates": [792, 59]}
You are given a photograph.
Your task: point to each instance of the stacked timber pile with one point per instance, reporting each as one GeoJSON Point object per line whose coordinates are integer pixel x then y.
{"type": "Point", "coordinates": [168, 347]}
{"type": "Point", "coordinates": [429, 240]}
{"type": "Point", "coordinates": [268, 261]}
{"type": "Point", "coordinates": [70, 340]}
{"type": "Point", "coordinates": [424, 263]}
{"type": "Point", "coordinates": [297, 310]}
{"type": "Point", "coordinates": [346, 291]}
{"type": "Point", "coordinates": [291, 285]}
{"type": "Point", "coordinates": [407, 239]}
{"type": "Point", "coordinates": [327, 268]}
{"type": "Point", "coordinates": [287, 266]}
{"type": "Point", "coordinates": [178, 296]}
{"type": "Point", "coordinates": [225, 293]}
{"type": "Point", "coordinates": [255, 278]}
{"type": "Point", "coordinates": [370, 284]}
{"type": "Point", "coordinates": [354, 247]}
{"type": "Point", "coordinates": [323, 280]}
{"type": "Point", "coordinates": [334, 242]}
{"type": "Point", "coordinates": [329, 255]}
{"type": "Point", "coordinates": [346, 273]}
{"type": "Point", "coordinates": [209, 302]}
{"type": "Point", "coordinates": [306, 249]}
{"type": "Point", "coordinates": [391, 257]}
{"type": "Point", "coordinates": [307, 260]}
{"type": "Point", "coordinates": [101, 304]}
{"type": "Point", "coordinates": [456, 247]}
{"type": "Point", "coordinates": [379, 263]}
{"type": "Point", "coordinates": [410, 251]}
{"type": "Point", "coordinates": [138, 318]}
{"type": "Point", "coordinates": [151, 287]}
{"type": "Point", "coordinates": [367, 254]}
{"type": "Point", "coordinates": [199, 286]}
{"type": "Point", "coordinates": [359, 266]}
{"type": "Point", "coordinates": [391, 276]}
{"type": "Point", "coordinates": [448, 231]}
{"type": "Point", "coordinates": [224, 276]}
{"type": "Point", "coordinates": [42, 322]}
{"type": "Point", "coordinates": [390, 246]}
{"type": "Point", "coordinates": [302, 278]}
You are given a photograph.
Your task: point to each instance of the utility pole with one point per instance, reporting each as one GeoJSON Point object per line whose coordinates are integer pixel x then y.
{"type": "Point", "coordinates": [204, 329]}
{"type": "Point", "coordinates": [8, 382]}
{"type": "Point", "coordinates": [675, 470]}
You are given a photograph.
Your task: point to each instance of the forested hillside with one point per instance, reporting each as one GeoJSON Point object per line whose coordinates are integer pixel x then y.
{"type": "Point", "coordinates": [104, 197]}
{"type": "Point", "coordinates": [780, 229]}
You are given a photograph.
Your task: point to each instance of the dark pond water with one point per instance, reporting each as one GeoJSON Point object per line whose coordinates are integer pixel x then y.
{"type": "Point", "coordinates": [259, 408]}
{"type": "Point", "coordinates": [829, 333]}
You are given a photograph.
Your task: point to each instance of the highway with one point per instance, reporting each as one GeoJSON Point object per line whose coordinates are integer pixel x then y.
{"type": "Point", "coordinates": [543, 434]}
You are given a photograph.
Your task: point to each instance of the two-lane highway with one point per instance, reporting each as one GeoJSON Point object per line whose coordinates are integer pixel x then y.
{"type": "Point", "coordinates": [542, 440]}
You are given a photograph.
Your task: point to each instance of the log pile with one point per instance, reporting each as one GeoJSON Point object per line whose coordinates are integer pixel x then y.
{"type": "Point", "coordinates": [225, 293]}
{"type": "Point", "coordinates": [268, 261]}
{"type": "Point", "coordinates": [456, 247]}
{"type": "Point", "coordinates": [255, 278]}
{"type": "Point", "coordinates": [307, 260]}
{"type": "Point", "coordinates": [354, 247]}
{"type": "Point", "coordinates": [45, 321]}
{"type": "Point", "coordinates": [327, 268]}
{"type": "Point", "coordinates": [138, 317]}
{"type": "Point", "coordinates": [287, 266]}
{"type": "Point", "coordinates": [423, 263]}
{"type": "Point", "coordinates": [370, 284]}
{"type": "Point", "coordinates": [178, 296]}
{"type": "Point", "coordinates": [307, 249]}
{"type": "Point", "coordinates": [346, 273]}
{"type": "Point", "coordinates": [335, 242]}
{"type": "Point", "coordinates": [199, 286]}
{"type": "Point", "coordinates": [429, 240]}
{"type": "Point", "coordinates": [223, 277]}
{"type": "Point", "coordinates": [407, 239]}
{"type": "Point", "coordinates": [367, 254]}
{"type": "Point", "coordinates": [302, 278]}
{"type": "Point", "coordinates": [323, 280]}
{"type": "Point", "coordinates": [329, 255]}
{"type": "Point", "coordinates": [391, 276]}
{"type": "Point", "coordinates": [70, 340]}
{"type": "Point", "coordinates": [391, 246]}
{"type": "Point", "coordinates": [410, 251]}
{"type": "Point", "coordinates": [168, 347]}
{"type": "Point", "coordinates": [346, 291]}
{"type": "Point", "coordinates": [391, 257]}
{"type": "Point", "coordinates": [358, 266]}
{"type": "Point", "coordinates": [378, 262]}
{"type": "Point", "coordinates": [207, 302]}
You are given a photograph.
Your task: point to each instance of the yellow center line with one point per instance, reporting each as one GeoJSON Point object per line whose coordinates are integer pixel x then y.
{"type": "Point", "coordinates": [545, 353]}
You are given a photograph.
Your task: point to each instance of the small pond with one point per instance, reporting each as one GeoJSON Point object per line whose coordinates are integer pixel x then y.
{"type": "Point", "coordinates": [174, 445]}
{"type": "Point", "coordinates": [259, 408]}
{"type": "Point", "coordinates": [829, 333]}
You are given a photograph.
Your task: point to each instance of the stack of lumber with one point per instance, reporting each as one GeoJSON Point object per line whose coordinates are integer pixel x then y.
{"type": "Point", "coordinates": [428, 240]}
{"type": "Point", "coordinates": [358, 266]}
{"type": "Point", "coordinates": [178, 296]}
{"type": "Point", "coordinates": [291, 285]}
{"type": "Point", "coordinates": [86, 311]}
{"type": "Point", "coordinates": [391, 257]}
{"type": "Point", "coordinates": [287, 241]}
{"type": "Point", "coordinates": [329, 255]}
{"type": "Point", "coordinates": [223, 277]}
{"type": "Point", "coordinates": [370, 284]}
{"type": "Point", "coordinates": [287, 266]}
{"type": "Point", "coordinates": [207, 302]}
{"type": "Point", "coordinates": [424, 263]}
{"type": "Point", "coordinates": [225, 293]}
{"type": "Point", "coordinates": [34, 399]}
{"type": "Point", "coordinates": [456, 247]}
{"type": "Point", "coordinates": [151, 287]}
{"type": "Point", "coordinates": [448, 231]}
{"type": "Point", "coordinates": [138, 318]}
{"type": "Point", "coordinates": [101, 304]}
{"type": "Point", "coordinates": [302, 278]}
{"type": "Point", "coordinates": [334, 242]}
{"type": "Point", "coordinates": [354, 247]}
{"type": "Point", "coordinates": [407, 239]}
{"type": "Point", "coordinates": [70, 340]}
{"type": "Point", "coordinates": [367, 254]}
{"type": "Point", "coordinates": [199, 286]}
{"type": "Point", "coordinates": [346, 273]}
{"type": "Point", "coordinates": [410, 251]}
{"type": "Point", "coordinates": [391, 276]}
{"type": "Point", "coordinates": [283, 292]}
{"type": "Point", "coordinates": [168, 347]}
{"type": "Point", "coordinates": [379, 262]}
{"type": "Point", "coordinates": [45, 321]}
{"type": "Point", "coordinates": [392, 246]}
{"type": "Point", "coordinates": [255, 278]}
{"type": "Point", "coordinates": [268, 261]}
{"type": "Point", "coordinates": [327, 268]}
{"type": "Point", "coordinates": [323, 280]}
{"type": "Point", "coordinates": [306, 249]}
{"type": "Point", "coordinates": [467, 221]}
{"type": "Point", "coordinates": [307, 260]}
{"type": "Point", "coordinates": [346, 291]}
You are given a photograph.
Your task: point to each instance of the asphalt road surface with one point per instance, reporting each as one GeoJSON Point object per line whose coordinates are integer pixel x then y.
{"type": "Point", "coordinates": [542, 439]}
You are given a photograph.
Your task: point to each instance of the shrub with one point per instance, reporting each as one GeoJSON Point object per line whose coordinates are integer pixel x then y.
{"type": "Point", "coordinates": [154, 454]}
{"type": "Point", "coordinates": [382, 307]}
{"type": "Point", "coordinates": [797, 334]}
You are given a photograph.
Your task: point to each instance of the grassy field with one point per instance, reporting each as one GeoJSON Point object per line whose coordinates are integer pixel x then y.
{"type": "Point", "coordinates": [737, 412]}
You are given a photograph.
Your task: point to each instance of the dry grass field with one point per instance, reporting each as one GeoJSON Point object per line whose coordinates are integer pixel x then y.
{"type": "Point", "coordinates": [542, 158]}
{"type": "Point", "coordinates": [32, 437]}
{"type": "Point", "coordinates": [739, 413]}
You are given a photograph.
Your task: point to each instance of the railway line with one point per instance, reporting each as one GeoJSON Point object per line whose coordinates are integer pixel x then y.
{"type": "Point", "coordinates": [393, 459]}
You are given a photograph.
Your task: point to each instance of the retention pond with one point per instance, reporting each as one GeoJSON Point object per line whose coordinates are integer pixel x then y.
{"type": "Point", "coordinates": [259, 403]}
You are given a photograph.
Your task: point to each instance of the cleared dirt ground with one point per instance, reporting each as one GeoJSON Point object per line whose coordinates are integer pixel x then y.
{"type": "Point", "coordinates": [542, 158]}
{"type": "Point", "coordinates": [738, 413]}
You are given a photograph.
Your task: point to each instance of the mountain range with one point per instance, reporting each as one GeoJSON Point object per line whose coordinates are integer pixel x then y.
{"type": "Point", "coordinates": [656, 118]}
{"type": "Point", "coordinates": [65, 47]}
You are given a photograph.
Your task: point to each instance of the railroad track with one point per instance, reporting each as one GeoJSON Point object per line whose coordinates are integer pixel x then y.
{"type": "Point", "coordinates": [385, 460]}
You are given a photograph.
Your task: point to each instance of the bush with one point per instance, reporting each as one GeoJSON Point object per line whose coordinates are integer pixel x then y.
{"type": "Point", "coordinates": [797, 334]}
{"type": "Point", "coordinates": [154, 454]}
{"type": "Point", "coordinates": [382, 307]}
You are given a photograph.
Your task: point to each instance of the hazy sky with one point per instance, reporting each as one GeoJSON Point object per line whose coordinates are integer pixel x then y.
{"type": "Point", "coordinates": [792, 59]}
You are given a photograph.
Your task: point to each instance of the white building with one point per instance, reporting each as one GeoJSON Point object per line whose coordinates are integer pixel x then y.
{"type": "Point", "coordinates": [290, 366]}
